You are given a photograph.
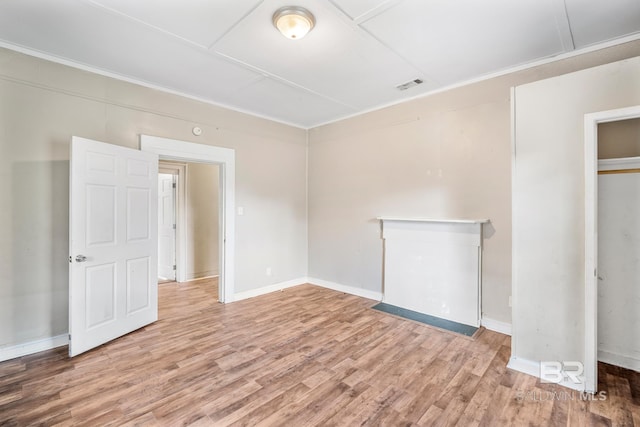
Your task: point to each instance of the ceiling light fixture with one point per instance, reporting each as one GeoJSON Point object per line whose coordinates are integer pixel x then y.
{"type": "Point", "coordinates": [294, 22]}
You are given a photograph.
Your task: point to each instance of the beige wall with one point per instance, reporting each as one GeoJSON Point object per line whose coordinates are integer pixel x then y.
{"type": "Point", "coordinates": [43, 104]}
{"type": "Point", "coordinates": [549, 205]}
{"type": "Point", "coordinates": [619, 139]}
{"type": "Point", "coordinates": [446, 155]}
{"type": "Point", "coordinates": [202, 220]}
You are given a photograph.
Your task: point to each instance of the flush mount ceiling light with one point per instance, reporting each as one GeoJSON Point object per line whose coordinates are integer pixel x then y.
{"type": "Point", "coordinates": [293, 22]}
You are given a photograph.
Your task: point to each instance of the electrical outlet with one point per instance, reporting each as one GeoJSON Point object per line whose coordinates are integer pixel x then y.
{"type": "Point", "coordinates": [268, 271]}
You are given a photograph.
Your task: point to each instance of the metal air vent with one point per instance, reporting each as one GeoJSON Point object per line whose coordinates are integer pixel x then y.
{"type": "Point", "coordinates": [412, 83]}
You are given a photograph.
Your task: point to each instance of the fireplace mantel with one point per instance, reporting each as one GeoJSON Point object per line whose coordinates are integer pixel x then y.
{"type": "Point", "coordinates": [434, 266]}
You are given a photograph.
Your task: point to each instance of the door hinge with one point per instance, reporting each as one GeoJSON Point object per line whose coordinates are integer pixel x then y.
{"type": "Point", "coordinates": [69, 337]}
{"type": "Point", "coordinates": [173, 185]}
{"type": "Point", "coordinates": [174, 267]}
{"type": "Point", "coordinates": [174, 226]}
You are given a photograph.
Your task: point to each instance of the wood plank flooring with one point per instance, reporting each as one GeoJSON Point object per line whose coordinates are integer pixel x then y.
{"type": "Point", "coordinates": [305, 356]}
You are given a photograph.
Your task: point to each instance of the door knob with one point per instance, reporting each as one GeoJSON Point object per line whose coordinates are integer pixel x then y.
{"type": "Point", "coordinates": [81, 258]}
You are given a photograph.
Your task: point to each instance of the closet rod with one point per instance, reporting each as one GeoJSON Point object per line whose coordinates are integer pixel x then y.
{"type": "Point", "coordinates": [616, 171]}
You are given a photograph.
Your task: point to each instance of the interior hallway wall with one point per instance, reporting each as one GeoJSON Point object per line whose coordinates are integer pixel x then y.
{"type": "Point", "coordinates": [202, 220]}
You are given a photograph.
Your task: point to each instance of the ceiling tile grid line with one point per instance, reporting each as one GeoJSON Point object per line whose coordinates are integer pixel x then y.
{"type": "Point", "coordinates": [249, 12]}
{"type": "Point", "coordinates": [120, 14]}
{"type": "Point", "coordinates": [371, 13]}
{"type": "Point", "coordinates": [563, 24]}
{"type": "Point", "coordinates": [424, 74]}
{"type": "Point", "coordinates": [368, 9]}
{"type": "Point", "coordinates": [267, 74]}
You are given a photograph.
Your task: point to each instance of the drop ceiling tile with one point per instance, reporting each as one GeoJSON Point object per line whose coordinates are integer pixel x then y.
{"type": "Point", "coordinates": [80, 32]}
{"type": "Point", "coordinates": [597, 21]}
{"type": "Point", "coordinates": [199, 21]}
{"type": "Point", "coordinates": [453, 41]}
{"type": "Point", "coordinates": [272, 98]}
{"type": "Point", "coordinates": [336, 59]}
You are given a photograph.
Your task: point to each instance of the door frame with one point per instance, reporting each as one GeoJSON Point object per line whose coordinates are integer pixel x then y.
{"type": "Point", "coordinates": [591, 122]}
{"type": "Point", "coordinates": [182, 151]}
{"type": "Point", "coordinates": [180, 170]}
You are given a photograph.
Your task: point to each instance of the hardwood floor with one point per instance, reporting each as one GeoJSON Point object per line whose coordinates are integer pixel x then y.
{"type": "Point", "coordinates": [301, 357]}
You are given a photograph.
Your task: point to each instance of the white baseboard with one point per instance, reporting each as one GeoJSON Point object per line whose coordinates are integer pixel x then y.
{"type": "Point", "coordinates": [365, 293]}
{"type": "Point", "coordinates": [202, 275]}
{"type": "Point", "coordinates": [377, 296]}
{"type": "Point", "coordinates": [619, 360]}
{"type": "Point", "coordinates": [496, 326]}
{"type": "Point", "coordinates": [525, 366]}
{"type": "Point", "coordinates": [532, 368]}
{"type": "Point", "coordinates": [19, 350]}
{"type": "Point", "coordinates": [268, 289]}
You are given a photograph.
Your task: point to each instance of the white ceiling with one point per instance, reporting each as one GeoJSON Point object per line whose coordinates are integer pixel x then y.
{"type": "Point", "coordinates": [227, 51]}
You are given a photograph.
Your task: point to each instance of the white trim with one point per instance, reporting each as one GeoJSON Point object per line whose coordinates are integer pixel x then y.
{"type": "Point", "coordinates": [171, 149]}
{"type": "Point", "coordinates": [269, 288]}
{"type": "Point", "coordinates": [619, 164]}
{"type": "Point", "coordinates": [351, 290]}
{"type": "Point", "coordinates": [143, 83]}
{"type": "Point", "coordinates": [201, 275]}
{"type": "Point", "coordinates": [628, 362]}
{"type": "Point", "coordinates": [532, 368]}
{"type": "Point", "coordinates": [514, 228]}
{"type": "Point", "coordinates": [518, 68]}
{"type": "Point", "coordinates": [525, 366]}
{"type": "Point", "coordinates": [496, 326]}
{"type": "Point", "coordinates": [203, 278]}
{"type": "Point", "coordinates": [454, 221]}
{"type": "Point", "coordinates": [92, 69]}
{"type": "Point", "coordinates": [364, 293]}
{"type": "Point", "coordinates": [591, 122]}
{"type": "Point", "coordinates": [19, 350]}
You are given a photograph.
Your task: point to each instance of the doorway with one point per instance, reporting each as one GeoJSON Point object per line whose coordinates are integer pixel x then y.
{"type": "Point", "coordinates": [167, 224]}
{"type": "Point", "coordinates": [181, 151]}
{"type": "Point", "coordinates": [591, 123]}
{"type": "Point", "coordinates": [188, 221]}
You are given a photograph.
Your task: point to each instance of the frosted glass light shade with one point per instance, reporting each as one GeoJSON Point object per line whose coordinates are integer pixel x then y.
{"type": "Point", "coordinates": [293, 22]}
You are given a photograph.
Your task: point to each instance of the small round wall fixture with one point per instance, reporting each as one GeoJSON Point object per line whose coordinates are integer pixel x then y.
{"type": "Point", "coordinates": [294, 22]}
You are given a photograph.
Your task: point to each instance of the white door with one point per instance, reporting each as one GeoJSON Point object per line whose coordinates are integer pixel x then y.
{"type": "Point", "coordinates": [113, 242]}
{"type": "Point", "coordinates": [166, 226]}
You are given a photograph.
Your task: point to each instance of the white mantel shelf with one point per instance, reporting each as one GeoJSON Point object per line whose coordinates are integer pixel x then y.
{"type": "Point", "coordinates": [454, 221]}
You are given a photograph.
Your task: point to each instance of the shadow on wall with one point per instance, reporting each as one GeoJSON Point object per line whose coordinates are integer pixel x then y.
{"type": "Point", "coordinates": [40, 241]}
{"type": "Point", "coordinates": [488, 230]}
